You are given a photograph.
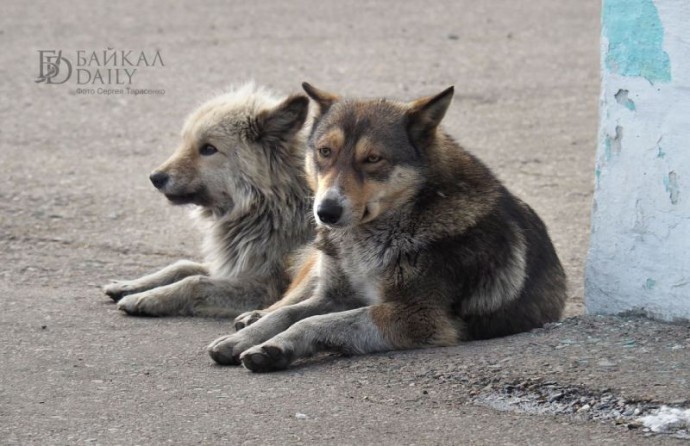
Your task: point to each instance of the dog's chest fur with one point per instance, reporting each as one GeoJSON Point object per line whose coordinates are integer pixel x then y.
{"type": "Point", "coordinates": [372, 259]}
{"type": "Point", "coordinates": [362, 267]}
{"type": "Point", "coordinates": [256, 244]}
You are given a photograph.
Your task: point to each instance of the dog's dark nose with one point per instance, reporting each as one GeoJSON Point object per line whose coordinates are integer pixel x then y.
{"type": "Point", "coordinates": [329, 211]}
{"type": "Point", "coordinates": [159, 179]}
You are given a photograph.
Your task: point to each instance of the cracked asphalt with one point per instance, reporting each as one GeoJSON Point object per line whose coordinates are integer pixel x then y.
{"type": "Point", "coordinates": [76, 210]}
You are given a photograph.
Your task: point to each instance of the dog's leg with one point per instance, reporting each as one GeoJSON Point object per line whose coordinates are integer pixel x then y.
{"type": "Point", "coordinates": [226, 350]}
{"type": "Point", "coordinates": [170, 274]}
{"type": "Point", "coordinates": [377, 328]}
{"type": "Point", "coordinates": [301, 288]}
{"type": "Point", "coordinates": [199, 296]}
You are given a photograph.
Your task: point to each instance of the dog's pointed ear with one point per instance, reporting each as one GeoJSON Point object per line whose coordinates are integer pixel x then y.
{"type": "Point", "coordinates": [286, 119]}
{"type": "Point", "coordinates": [425, 114]}
{"type": "Point", "coordinates": [322, 98]}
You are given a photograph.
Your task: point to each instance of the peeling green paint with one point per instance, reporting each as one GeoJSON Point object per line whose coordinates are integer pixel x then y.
{"type": "Point", "coordinates": [661, 154]}
{"type": "Point", "coordinates": [671, 185]}
{"type": "Point", "coordinates": [613, 144]}
{"type": "Point", "coordinates": [635, 36]}
{"type": "Point", "coordinates": [623, 99]}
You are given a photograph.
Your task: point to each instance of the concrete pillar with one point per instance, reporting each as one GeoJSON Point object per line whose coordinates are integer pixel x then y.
{"type": "Point", "coordinates": [639, 257]}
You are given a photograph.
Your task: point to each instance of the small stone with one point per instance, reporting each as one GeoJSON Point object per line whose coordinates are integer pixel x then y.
{"type": "Point", "coordinates": [555, 397]}
{"type": "Point", "coordinates": [301, 416]}
{"type": "Point", "coordinates": [584, 408]}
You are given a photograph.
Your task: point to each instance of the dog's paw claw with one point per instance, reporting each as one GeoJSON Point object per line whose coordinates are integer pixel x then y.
{"type": "Point", "coordinates": [113, 291]}
{"type": "Point", "coordinates": [248, 318]}
{"type": "Point", "coordinates": [221, 357]}
{"type": "Point", "coordinates": [128, 304]}
{"type": "Point", "coordinates": [226, 351]}
{"type": "Point", "coordinates": [117, 290]}
{"type": "Point", "coordinates": [265, 358]}
{"type": "Point", "coordinates": [135, 305]}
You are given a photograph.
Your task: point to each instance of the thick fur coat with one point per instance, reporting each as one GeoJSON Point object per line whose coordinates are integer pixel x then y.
{"type": "Point", "coordinates": [240, 163]}
{"type": "Point", "coordinates": [418, 244]}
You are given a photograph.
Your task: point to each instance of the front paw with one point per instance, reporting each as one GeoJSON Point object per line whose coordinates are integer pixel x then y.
{"type": "Point", "coordinates": [118, 289]}
{"type": "Point", "coordinates": [248, 318]}
{"type": "Point", "coordinates": [226, 350]}
{"type": "Point", "coordinates": [142, 304]}
{"type": "Point", "coordinates": [266, 358]}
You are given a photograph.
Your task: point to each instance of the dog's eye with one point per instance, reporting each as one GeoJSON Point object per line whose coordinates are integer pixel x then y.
{"type": "Point", "coordinates": [373, 159]}
{"type": "Point", "coordinates": [325, 152]}
{"type": "Point", "coordinates": [207, 150]}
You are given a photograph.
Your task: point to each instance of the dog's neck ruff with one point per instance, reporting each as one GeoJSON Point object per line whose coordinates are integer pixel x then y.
{"type": "Point", "coordinates": [253, 240]}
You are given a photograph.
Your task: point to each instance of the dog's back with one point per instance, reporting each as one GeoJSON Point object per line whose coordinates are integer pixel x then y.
{"type": "Point", "coordinates": [504, 268]}
{"type": "Point", "coordinates": [536, 269]}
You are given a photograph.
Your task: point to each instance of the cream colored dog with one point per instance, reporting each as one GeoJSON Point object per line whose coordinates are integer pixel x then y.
{"type": "Point", "coordinates": [240, 163]}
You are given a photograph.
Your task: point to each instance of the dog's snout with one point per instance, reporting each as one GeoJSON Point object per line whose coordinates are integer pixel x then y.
{"type": "Point", "coordinates": [329, 211]}
{"type": "Point", "coordinates": [159, 179]}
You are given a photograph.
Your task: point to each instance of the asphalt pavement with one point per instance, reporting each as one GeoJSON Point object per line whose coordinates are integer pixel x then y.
{"type": "Point", "coordinates": [77, 210]}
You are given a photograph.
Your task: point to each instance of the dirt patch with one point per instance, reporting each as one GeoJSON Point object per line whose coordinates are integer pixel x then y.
{"type": "Point", "coordinates": [551, 398]}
